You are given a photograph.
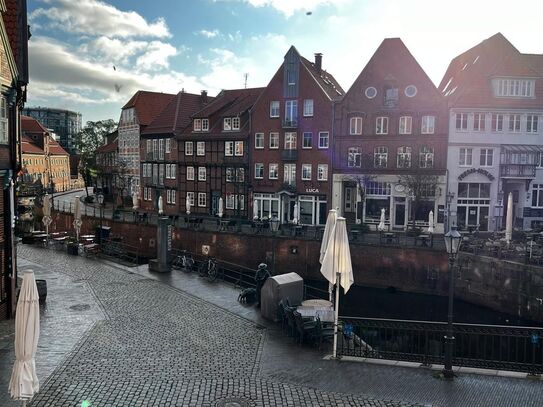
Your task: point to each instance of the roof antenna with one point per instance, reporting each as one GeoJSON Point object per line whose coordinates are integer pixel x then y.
{"type": "Point", "coordinates": [245, 75]}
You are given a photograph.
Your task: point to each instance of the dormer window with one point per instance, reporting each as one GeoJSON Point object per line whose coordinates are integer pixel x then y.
{"type": "Point", "coordinates": [235, 123]}
{"type": "Point", "coordinates": [205, 124]}
{"type": "Point", "coordinates": [521, 88]}
{"type": "Point", "coordinates": [227, 123]}
{"type": "Point", "coordinates": [197, 124]}
{"type": "Point", "coordinates": [391, 96]}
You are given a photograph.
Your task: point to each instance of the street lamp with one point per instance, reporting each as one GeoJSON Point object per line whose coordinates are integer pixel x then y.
{"type": "Point", "coordinates": [101, 202]}
{"type": "Point", "coordinates": [453, 239]}
{"type": "Point", "coordinates": [274, 224]}
{"type": "Point", "coordinates": [500, 210]}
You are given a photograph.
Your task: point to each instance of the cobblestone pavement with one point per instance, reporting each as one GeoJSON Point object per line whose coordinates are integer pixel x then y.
{"type": "Point", "coordinates": [161, 346]}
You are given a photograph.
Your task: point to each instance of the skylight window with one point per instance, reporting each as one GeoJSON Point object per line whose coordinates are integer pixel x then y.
{"type": "Point", "coordinates": [476, 59]}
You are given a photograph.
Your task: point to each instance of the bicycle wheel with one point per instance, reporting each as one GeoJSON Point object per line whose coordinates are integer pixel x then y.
{"type": "Point", "coordinates": [188, 264]}
{"type": "Point", "coordinates": [202, 269]}
{"type": "Point", "coordinates": [212, 271]}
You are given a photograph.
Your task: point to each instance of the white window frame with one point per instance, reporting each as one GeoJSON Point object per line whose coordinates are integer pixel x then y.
{"type": "Point", "coordinates": [202, 173]}
{"type": "Point", "coordinates": [291, 111]}
{"type": "Point", "coordinates": [273, 169]}
{"type": "Point", "coordinates": [405, 125]}
{"type": "Point", "coordinates": [149, 146]}
{"type": "Point", "coordinates": [404, 157]}
{"type": "Point", "coordinates": [380, 157]}
{"type": "Point", "coordinates": [289, 174]}
{"type": "Point", "coordinates": [197, 125]}
{"type": "Point", "coordinates": [426, 158]}
{"type": "Point", "coordinates": [205, 124]}
{"type": "Point", "coordinates": [274, 140]}
{"type": "Point", "coordinates": [324, 140]}
{"type": "Point", "coordinates": [495, 121]}
{"type": "Point", "coordinates": [227, 124]}
{"type": "Point", "coordinates": [461, 122]}
{"type": "Point", "coordinates": [310, 138]}
{"type": "Point", "coordinates": [168, 145]}
{"type": "Point", "coordinates": [167, 171]}
{"type": "Point", "coordinates": [322, 172]}
{"type": "Point", "coordinates": [161, 149]}
{"type": "Point", "coordinates": [235, 123]}
{"type": "Point", "coordinates": [354, 157]}
{"type": "Point", "coordinates": [479, 123]}
{"type": "Point", "coordinates": [308, 107]}
{"type": "Point", "coordinates": [259, 170]}
{"type": "Point", "coordinates": [190, 198]}
{"type": "Point", "coordinates": [381, 125]}
{"type": "Point", "coordinates": [428, 124]}
{"type": "Point", "coordinates": [290, 141]}
{"type": "Point", "coordinates": [238, 148]}
{"type": "Point", "coordinates": [306, 172]}
{"type": "Point", "coordinates": [200, 148]}
{"type": "Point", "coordinates": [275, 108]}
{"type": "Point", "coordinates": [229, 174]}
{"type": "Point", "coordinates": [517, 88]}
{"type": "Point", "coordinates": [189, 148]}
{"type": "Point", "coordinates": [484, 157]}
{"type": "Point", "coordinates": [229, 148]}
{"type": "Point", "coordinates": [532, 123]}
{"type": "Point", "coordinates": [355, 125]}
{"type": "Point", "coordinates": [465, 157]}
{"type": "Point", "coordinates": [202, 199]}
{"type": "Point", "coordinates": [259, 141]}
{"type": "Point", "coordinates": [514, 123]}
{"type": "Point", "coordinates": [190, 173]}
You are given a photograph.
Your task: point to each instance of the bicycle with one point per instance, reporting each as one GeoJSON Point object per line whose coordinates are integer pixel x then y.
{"type": "Point", "coordinates": [184, 262]}
{"type": "Point", "coordinates": [208, 268]}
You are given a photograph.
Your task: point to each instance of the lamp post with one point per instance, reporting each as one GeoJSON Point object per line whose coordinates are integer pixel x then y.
{"type": "Point", "coordinates": [449, 197]}
{"type": "Point", "coordinates": [500, 210]}
{"type": "Point", "coordinates": [101, 203]}
{"type": "Point", "coordinates": [274, 224]}
{"type": "Point", "coordinates": [453, 239]}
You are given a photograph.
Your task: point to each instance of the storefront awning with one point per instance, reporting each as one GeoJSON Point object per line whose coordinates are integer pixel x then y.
{"type": "Point", "coordinates": [520, 148]}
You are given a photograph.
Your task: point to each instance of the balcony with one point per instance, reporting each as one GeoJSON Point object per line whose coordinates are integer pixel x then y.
{"type": "Point", "coordinates": [289, 155]}
{"type": "Point", "coordinates": [517, 170]}
{"type": "Point", "coordinates": [290, 123]}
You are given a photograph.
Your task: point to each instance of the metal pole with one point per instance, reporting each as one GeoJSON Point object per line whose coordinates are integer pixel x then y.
{"type": "Point", "coordinates": [449, 338]}
{"type": "Point", "coordinates": [336, 316]}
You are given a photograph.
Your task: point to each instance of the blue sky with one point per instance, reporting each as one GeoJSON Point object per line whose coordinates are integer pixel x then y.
{"type": "Point", "coordinates": [169, 45]}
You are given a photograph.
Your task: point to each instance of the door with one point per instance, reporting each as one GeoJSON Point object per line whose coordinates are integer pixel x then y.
{"type": "Point", "coordinates": [473, 215]}
{"type": "Point", "coordinates": [399, 212]}
{"type": "Point", "coordinates": [215, 195]}
{"type": "Point", "coordinates": [350, 194]}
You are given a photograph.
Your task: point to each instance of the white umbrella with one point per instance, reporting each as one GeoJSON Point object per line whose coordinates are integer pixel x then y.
{"type": "Point", "coordinates": [330, 222]}
{"type": "Point", "coordinates": [187, 205]}
{"type": "Point", "coordinates": [295, 218]}
{"type": "Point", "coordinates": [255, 209]}
{"type": "Point", "coordinates": [24, 382]}
{"type": "Point", "coordinates": [509, 219]}
{"type": "Point", "coordinates": [135, 201]}
{"type": "Point", "coordinates": [221, 208]}
{"type": "Point", "coordinates": [431, 222]}
{"type": "Point", "coordinates": [77, 217]}
{"type": "Point", "coordinates": [47, 213]}
{"type": "Point", "coordinates": [160, 206]}
{"type": "Point", "coordinates": [381, 227]}
{"type": "Point", "coordinates": [337, 267]}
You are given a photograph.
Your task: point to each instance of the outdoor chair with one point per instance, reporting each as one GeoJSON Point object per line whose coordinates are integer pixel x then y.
{"type": "Point", "coordinates": [291, 323]}
{"type": "Point", "coordinates": [304, 328]}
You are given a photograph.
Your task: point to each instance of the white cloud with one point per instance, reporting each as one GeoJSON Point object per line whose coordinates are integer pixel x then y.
{"type": "Point", "coordinates": [208, 34]}
{"type": "Point", "coordinates": [289, 7]}
{"type": "Point", "coordinates": [156, 56]}
{"type": "Point", "coordinates": [97, 18]}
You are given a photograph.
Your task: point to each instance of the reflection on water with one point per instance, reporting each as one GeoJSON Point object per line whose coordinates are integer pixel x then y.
{"type": "Point", "coordinates": [383, 303]}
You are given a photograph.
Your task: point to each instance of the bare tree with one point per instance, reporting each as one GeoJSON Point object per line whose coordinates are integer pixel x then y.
{"type": "Point", "coordinates": [123, 179]}
{"type": "Point", "coordinates": [418, 186]}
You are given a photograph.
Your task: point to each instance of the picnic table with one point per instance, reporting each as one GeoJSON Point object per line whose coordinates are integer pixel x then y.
{"type": "Point", "coordinates": [425, 240]}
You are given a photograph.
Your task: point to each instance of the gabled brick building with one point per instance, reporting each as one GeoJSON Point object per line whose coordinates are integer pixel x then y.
{"type": "Point", "coordinates": [160, 156]}
{"type": "Point", "coordinates": [291, 142]}
{"type": "Point", "coordinates": [391, 122]}
{"type": "Point", "coordinates": [214, 156]}
{"type": "Point", "coordinates": [107, 159]}
{"type": "Point", "coordinates": [495, 97]}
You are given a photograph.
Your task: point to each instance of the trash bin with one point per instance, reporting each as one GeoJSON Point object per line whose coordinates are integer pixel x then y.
{"type": "Point", "coordinates": [278, 288]}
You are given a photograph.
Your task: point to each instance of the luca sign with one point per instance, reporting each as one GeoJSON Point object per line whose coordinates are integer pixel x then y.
{"type": "Point", "coordinates": [312, 190]}
{"type": "Point", "coordinates": [474, 171]}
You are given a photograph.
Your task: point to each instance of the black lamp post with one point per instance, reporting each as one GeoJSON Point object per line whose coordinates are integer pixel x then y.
{"type": "Point", "coordinates": [101, 202]}
{"type": "Point", "coordinates": [274, 224]}
{"type": "Point", "coordinates": [453, 239]}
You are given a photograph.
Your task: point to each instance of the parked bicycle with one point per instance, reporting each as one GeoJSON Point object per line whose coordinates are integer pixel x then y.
{"type": "Point", "coordinates": [208, 268]}
{"type": "Point", "coordinates": [183, 261]}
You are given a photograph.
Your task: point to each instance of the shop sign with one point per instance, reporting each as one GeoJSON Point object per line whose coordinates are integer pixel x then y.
{"type": "Point", "coordinates": [312, 190]}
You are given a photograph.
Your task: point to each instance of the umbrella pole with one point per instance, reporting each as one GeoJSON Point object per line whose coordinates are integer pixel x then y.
{"type": "Point", "coordinates": [330, 289]}
{"type": "Point", "coordinates": [336, 316]}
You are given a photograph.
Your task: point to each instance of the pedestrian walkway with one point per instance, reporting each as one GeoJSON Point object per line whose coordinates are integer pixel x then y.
{"type": "Point", "coordinates": [124, 337]}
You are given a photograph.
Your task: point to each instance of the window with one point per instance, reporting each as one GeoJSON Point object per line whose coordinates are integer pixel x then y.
{"type": "Point", "coordinates": [514, 87]}
{"type": "Point", "coordinates": [466, 157]}
{"type": "Point", "coordinates": [202, 173]}
{"type": "Point", "coordinates": [168, 171]}
{"type": "Point", "coordinates": [487, 157]}
{"type": "Point", "coordinates": [205, 124]}
{"type": "Point", "coordinates": [308, 107]}
{"type": "Point", "coordinates": [161, 174]}
{"type": "Point", "coordinates": [322, 172]}
{"type": "Point", "coordinates": [235, 123]}
{"type": "Point", "coordinates": [291, 112]}
{"type": "Point", "coordinates": [307, 140]}
{"type": "Point", "coordinates": [354, 157]}
{"type": "Point", "coordinates": [410, 91]}
{"type": "Point", "coordinates": [306, 172]}
{"type": "Point", "coordinates": [370, 92]}
{"type": "Point", "coordinates": [290, 174]}
{"type": "Point", "coordinates": [161, 149]}
{"type": "Point", "coordinates": [202, 199]}
{"type": "Point", "coordinates": [229, 174]}
{"type": "Point", "coordinates": [190, 173]}
{"type": "Point", "coordinates": [378, 188]}
{"type": "Point", "coordinates": [461, 121]}
{"type": "Point", "coordinates": [381, 125]}
{"type": "Point", "coordinates": [539, 161]}
{"type": "Point", "coordinates": [240, 175]}
{"type": "Point", "coordinates": [155, 149]}
{"type": "Point", "coordinates": [531, 123]}
{"type": "Point", "coordinates": [200, 148]}
{"type": "Point", "coordinates": [404, 157]}
{"type": "Point", "coordinates": [537, 195]}
{"type": "Point", "coordinates": [259, 140]}
{"type": "Point", "coordinates": [170, 196]}
{"type": "Point", "coordinates": [274, 140]}
{"type": "Point", "coordinates": [478, 122]}
{"type": "Point", "coordinates": [189, 148]}
{"type": "Point", "coordinates": [428, 124]}
{"type": "Point", "coordinates": [168, 145]}
{"type": "Point", "coordinates": [273, 171]}
{"type": "Point", "coordinates": [227, 123]}
{"type": "Point", "coordinates": [274, 108]}
{"type": "Point", "coordinates": [426, 157]}
{"type": "Point", "coordinates": [149, 146]}
{"type": "Point", "coordinates": [234, 200]}
{"type": "Point", "coordinates": [197, 124]}
{"type": "Point", "coordinates": [405, 124]}
{"type": "Point", "coordinates": [324, 139]}
{"type": "Point", "coordinates": [380, 156]}
{"type": "Point", "coordinates": [497, 122]}
{"type": "Point", "coordinates": [355, 126]}
{"type": "Point", "coordinates": [290, 141]}
{"type": "Point", "coordinates": [229, 148]}
{"type": "Point", "coordinates": [514, 123]}
{"type": "Point", "coordinates": [238, 148]}
{"type": "Point", "coordinates": [391, 97]}
{"type": "Point", "coordinates": [155, 174]}
{"type": "Point", "coordinates": [173, 171]}
{"type": "Point", "coordinates": [259, 171]}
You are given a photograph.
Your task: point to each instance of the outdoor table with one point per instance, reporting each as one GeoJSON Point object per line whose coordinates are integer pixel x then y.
{"type": "Point", "coordinates": [322, 309]}
{"type": "Point", "coordinates": [425, 240]}
{"type": "Point", "coordinates": [259, 225]}
{"type": "Point", "coordinates": [297, 230]}
{"type": "Point", "coordinates": [390, 237]}
{"type": "Point", "coordinates": [223, 224]}
{"type": "Point", "coordinates": [317, 303]}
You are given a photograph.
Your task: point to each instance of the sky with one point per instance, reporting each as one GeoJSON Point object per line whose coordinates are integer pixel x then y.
{"type": "Point", "coordinates": [91, 56]}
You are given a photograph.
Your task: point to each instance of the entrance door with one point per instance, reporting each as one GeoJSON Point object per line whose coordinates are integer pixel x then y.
{"type": "Point", "coordinates": [215, 195]}
{"type": "Point", "coordinates": [350, 194]}
{"type": "Point", "coordinates": [399, 212]}
{"type": "Point", "coordinates": [473, 215]}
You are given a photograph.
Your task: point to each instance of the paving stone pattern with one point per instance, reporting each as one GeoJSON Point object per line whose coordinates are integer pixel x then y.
{"type": "Point", "coordinates": [159, 346]}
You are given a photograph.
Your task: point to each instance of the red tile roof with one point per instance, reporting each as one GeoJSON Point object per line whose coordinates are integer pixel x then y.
{"type": "Point", "coordinates": [10, 22]}
{"type": "Point", "coordinates": [55, 148]}
{"type": "Point", "coordinates": [148, 105]}
{"type": "Point", "coordinates": [108, 148]}
{"type": "Point", "coordinates": [325, 80]}
{"type": "Point", "coordinates": [28, 146]}
{"type": "Point", "coordinates": [31, 125]}
{"type": "Point", "coordinates": [176, 115]}
{"type": "Point", "coordinates": [233, 102]}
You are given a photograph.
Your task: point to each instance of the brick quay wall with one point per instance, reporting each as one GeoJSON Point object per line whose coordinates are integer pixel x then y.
{"type": "Point", "coordinates": [503, 286]}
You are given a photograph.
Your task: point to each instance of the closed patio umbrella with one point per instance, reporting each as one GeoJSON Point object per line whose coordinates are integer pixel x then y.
{"type": "Point", "coordinates": [187, 205]}
{"type": "Point", "coordinates": [255, 209]}
{"type": "Point", "coordinates": [77, 217]}
{"type": "Point", "coordinates": [330, 222]}
{"type": "Point", "coordinates": [135, 201]}
{"type": "Point", "coordinates": [221, 208]}
{"type": "Point", "coordinates": [381, 227]}
{"type": "Point", "coordinates": [47, 213]}
{"type": "Point", "coordinates": [431, 222]}
{"type": "Point", "coordinates": [509, 219]}
{"type": "Point", "coordinates": [295, 218]}
{"type": "Point", "coordinates": [24, 382]}
{"type": "Point", "coordinates": [337, 267]}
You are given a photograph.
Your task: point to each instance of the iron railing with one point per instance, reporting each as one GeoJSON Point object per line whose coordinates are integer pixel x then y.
{"type": "Point", "coordinates": [514, 348]}
{"type": "Point", "coordinates": [118, 251]}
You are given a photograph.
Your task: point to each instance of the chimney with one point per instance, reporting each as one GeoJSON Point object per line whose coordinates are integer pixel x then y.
{"type": "Point", "coordinates": [204, 96]}
{"type": "Point", "coordinates": [318, 62]}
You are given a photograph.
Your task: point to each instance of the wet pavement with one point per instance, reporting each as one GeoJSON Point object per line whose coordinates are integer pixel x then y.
{"type": "Point", "coordinates": [119, 336]}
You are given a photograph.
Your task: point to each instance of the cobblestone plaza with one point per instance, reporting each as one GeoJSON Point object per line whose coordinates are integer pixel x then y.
{"type": "Point", "coordinates": [119, 337]}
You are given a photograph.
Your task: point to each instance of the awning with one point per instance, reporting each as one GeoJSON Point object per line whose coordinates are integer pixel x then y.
{"type": "Point", "coordinates": [521, 148]}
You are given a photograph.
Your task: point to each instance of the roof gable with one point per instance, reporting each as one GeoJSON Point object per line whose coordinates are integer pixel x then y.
{"type": "Point", "coordinates": [148, 105]}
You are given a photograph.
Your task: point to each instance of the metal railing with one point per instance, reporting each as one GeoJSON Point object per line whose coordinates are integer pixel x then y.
{"type": "Point", "coordinates": [480, 346]}
{"type": "Point", "coordinates": [117, 250]}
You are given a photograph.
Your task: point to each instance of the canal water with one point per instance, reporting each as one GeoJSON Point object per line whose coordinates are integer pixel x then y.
{"type": "Point", "coordinates": [391, 304]}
